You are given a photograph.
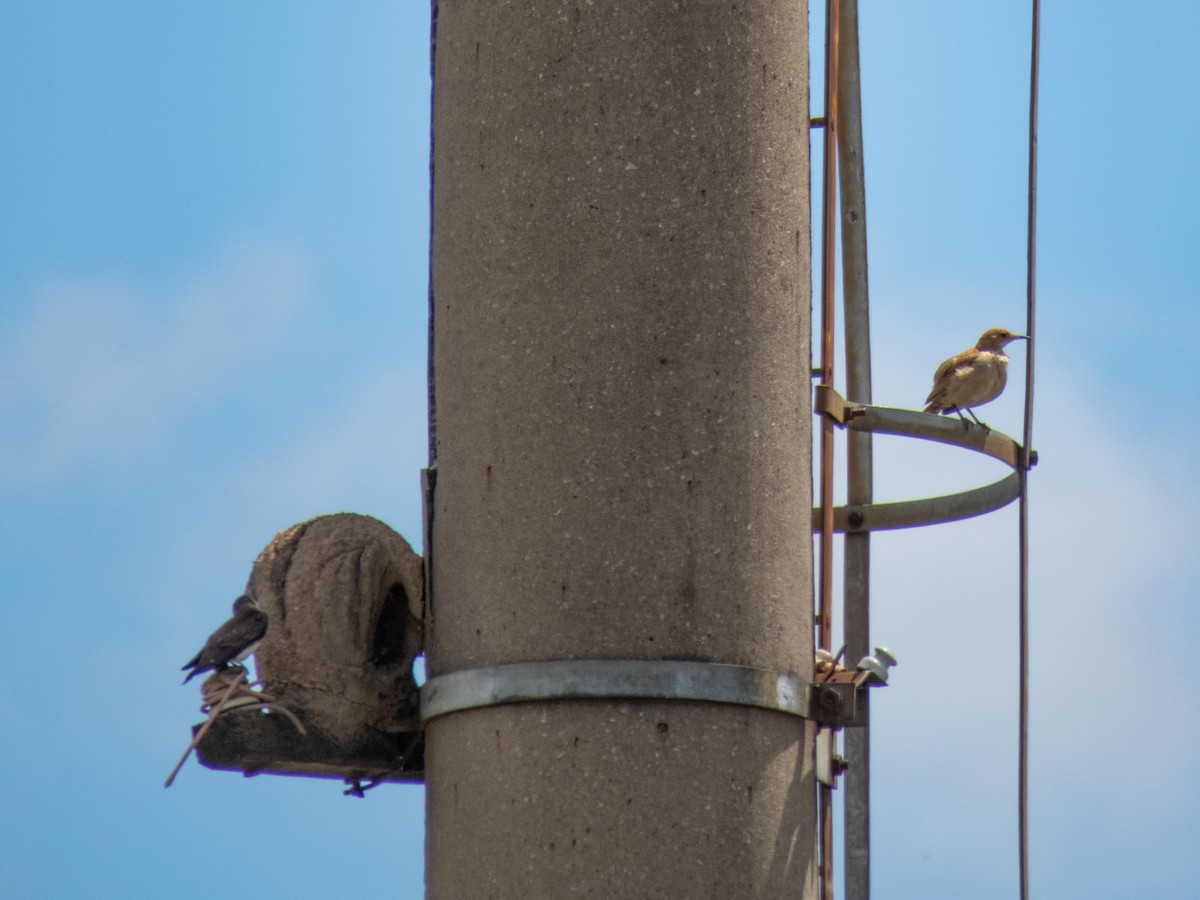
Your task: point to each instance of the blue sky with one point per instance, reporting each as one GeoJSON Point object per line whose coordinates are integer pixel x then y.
{"type": "Point", "coordinates": [213, 242]}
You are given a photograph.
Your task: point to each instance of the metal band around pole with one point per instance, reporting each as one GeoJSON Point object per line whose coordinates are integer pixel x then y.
{"type": "Point", "coordinates": [576, 679]}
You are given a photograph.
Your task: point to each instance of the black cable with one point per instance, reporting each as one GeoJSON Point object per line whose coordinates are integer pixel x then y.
{"type": "Point", "coordinates": [1027, 440]}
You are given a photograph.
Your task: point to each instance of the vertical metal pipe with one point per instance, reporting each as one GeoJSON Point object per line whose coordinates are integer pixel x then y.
{"type": "Point", "coordinates": [859, 471]}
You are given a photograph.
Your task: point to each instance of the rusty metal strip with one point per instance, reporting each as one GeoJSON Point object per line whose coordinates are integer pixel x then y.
{"type": "Point", "coordinates": [825, 544]}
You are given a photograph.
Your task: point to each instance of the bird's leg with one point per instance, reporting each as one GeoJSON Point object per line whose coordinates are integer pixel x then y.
{"type": "Point", "coordinates": [966, 424]}
{"type": "Point", "coordinates": [985, 428]}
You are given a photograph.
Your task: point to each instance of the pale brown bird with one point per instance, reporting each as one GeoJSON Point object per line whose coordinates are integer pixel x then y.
{"type": "Point", "coordinates": [973, 377]}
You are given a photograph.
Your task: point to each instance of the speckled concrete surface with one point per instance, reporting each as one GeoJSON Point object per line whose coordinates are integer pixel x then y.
{"type": "Point", "coordinates": [620, 301]}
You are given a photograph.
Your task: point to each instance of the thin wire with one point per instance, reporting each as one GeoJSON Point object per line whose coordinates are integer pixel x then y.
{"type": "Point", "coordinates": [1023, 537]}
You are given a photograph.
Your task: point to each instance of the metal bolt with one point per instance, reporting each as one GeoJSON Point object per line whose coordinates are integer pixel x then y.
{"type": "Point", "coordinates": [829, 701]}
{"type": "Point", "coordinates": [855, 519]}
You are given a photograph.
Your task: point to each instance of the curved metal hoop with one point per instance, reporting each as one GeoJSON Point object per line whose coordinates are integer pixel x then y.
{"type": "Point", "coordinates": [909, 423]}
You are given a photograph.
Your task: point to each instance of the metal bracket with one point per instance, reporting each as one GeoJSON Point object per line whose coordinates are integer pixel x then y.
{"type": "Point", "coordinates": [576, 679]}
{"type": "Point", "coordinates": [909, 423]}
{"type": "Point", "coordinates": [829, 763]}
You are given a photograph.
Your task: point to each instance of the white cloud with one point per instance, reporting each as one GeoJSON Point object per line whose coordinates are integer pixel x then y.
{"type": "Point", "coordinates": [96, 363]}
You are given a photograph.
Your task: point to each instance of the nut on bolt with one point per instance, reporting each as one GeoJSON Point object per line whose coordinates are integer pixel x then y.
{"type": "Point", "coordinates": [829, 701]}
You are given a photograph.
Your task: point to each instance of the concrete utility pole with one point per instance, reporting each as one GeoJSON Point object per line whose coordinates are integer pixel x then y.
{"type": "Point", "coordinates": [620, 302]}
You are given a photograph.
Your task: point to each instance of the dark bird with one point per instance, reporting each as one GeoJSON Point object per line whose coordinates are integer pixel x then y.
{"type": "Point", "coordinates": [233, 641]}
{"type": "Point", "coordinates": [973, 377]}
